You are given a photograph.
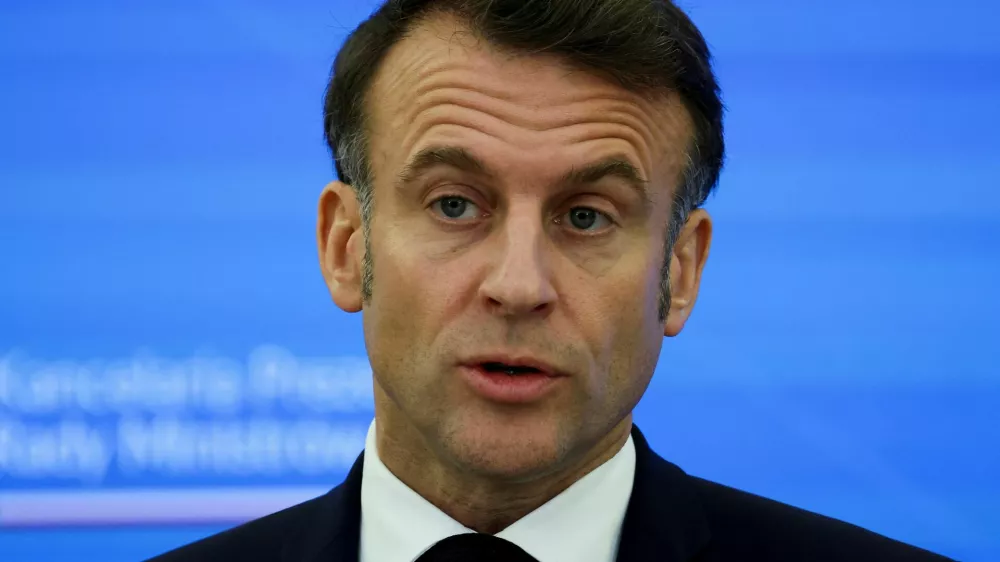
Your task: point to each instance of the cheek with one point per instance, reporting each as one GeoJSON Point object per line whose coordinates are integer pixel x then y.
{"type": "Point", "coordinates": [636, 344]}
{"type": "Point", "coordinates": [633, 317]}
{"type": "Point", "coordinates": [613, 318]}
{"type": "Point", "coordinates": [415, 290]}
{"type": "Point", "coordinates": [395, 323]}
{"type": "Point", "coordinates": [636, 288]}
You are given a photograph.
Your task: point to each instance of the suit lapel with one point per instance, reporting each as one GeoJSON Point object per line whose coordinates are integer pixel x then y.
{"type": "Point", "coordinates": [664, 520]}
{"type": "Point", "coordinates": [334, 534]}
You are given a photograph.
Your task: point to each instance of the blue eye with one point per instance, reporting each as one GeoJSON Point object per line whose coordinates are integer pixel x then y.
{"type": "Point", "coordinates": [454, 207]}
{"type": "Point", "coordinates": [585, 218]}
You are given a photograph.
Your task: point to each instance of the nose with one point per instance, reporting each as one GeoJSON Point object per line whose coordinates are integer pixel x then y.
{"type": "Point", "coordinates": [520, 280]}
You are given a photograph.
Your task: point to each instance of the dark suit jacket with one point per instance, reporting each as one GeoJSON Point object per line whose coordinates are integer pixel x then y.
{"type": "Point", "coordinates": [671, 517]}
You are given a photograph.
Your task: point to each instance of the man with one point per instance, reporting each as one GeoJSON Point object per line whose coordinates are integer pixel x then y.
{"type": "Point", "coordinates": [519, 222]}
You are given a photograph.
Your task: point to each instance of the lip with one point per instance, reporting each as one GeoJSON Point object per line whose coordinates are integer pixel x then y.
{"type": "Point", "coordinates": [518, 360]}
{"type": "Point", "coordinates": [510, 389]}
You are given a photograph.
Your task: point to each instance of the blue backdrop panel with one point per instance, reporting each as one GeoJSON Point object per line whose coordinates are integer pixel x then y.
{"type": "Point", "coordinates": [170, 363]}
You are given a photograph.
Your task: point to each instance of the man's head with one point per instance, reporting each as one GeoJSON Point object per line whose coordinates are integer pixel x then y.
{"type": "Point", "coordinates": [521, 181]}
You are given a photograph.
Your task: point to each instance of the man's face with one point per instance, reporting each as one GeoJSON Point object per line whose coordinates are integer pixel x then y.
{"type": "Point", "coordinates": [520, 215]}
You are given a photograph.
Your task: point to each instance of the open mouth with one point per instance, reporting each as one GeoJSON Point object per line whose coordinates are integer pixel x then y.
{"type": "Point", "coordinates": [512, 370]}
{"type": "Point", "coordinates": [511, 380]}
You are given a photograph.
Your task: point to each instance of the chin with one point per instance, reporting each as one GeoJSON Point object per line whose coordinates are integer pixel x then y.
{"type": "Point", "coordinates": [517, 451]}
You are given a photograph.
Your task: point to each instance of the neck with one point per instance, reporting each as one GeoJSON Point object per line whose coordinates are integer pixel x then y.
{"type": "Point", "coordinates": [481, 503]}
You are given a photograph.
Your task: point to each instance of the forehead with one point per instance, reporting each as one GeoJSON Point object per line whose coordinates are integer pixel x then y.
{"type": "Point", "coordinates": [442, 83]}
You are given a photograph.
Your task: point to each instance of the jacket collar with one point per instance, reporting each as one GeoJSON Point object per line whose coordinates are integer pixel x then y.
{"type": "Point", "coordinates": [333, 532]}
{"type": "Point", "coordinates": [664, 520]}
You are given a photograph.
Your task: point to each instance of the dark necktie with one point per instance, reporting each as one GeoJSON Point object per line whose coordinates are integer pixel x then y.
{"type": "Point", "coordinates": [475, 547]}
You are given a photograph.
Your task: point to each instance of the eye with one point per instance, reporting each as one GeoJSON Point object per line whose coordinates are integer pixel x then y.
{"type": "Point", "coordinates": [454, 207]}
{"type": "Point", "coordinates": [586, 219]}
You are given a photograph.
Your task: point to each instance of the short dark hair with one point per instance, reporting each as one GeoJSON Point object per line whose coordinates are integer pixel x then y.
{"type": "Point", "coordinates": [644, 45]}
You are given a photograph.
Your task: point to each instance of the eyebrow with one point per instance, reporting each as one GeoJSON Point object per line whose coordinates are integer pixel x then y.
{"type": "Point", "coordinates": [450, 156]}
{"type": "Point", "coordinates": [463, 160]}
{"type": "Point", "coordinates": [614, 166]}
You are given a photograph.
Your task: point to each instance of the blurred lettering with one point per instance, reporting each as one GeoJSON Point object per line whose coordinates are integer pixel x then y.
{"type": "Point", "coordinates": [153, 418]}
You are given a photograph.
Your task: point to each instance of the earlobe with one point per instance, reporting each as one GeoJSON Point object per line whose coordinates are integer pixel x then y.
{"type": "Point", "coordinates": [340, 243]}
{"type": "Point", "coordinates": [688, 259]}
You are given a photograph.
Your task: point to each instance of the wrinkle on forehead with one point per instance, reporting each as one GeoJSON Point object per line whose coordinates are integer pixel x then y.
{"type": "Point", "coordinates": [432, 77]}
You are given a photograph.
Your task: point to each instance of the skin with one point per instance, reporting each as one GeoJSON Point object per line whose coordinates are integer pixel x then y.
{"type": "Point", "coordinates": [513, 273]}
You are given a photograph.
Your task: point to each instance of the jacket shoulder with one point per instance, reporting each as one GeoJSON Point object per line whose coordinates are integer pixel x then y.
{"type": "Point", "coordinates": [258, 540]}
{"type": "Point", "coordinates": [746, 526]}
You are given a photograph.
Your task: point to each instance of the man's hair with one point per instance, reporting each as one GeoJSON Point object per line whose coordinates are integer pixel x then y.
{"type": "Point", "coordinates": [647, 46]}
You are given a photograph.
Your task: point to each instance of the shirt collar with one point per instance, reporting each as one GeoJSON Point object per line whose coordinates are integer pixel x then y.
{"type": "Point", "coordinates": [583, 523]}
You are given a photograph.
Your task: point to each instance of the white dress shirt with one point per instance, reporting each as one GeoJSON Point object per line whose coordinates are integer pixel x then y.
{"type": "Point", "coordinates": [582, 524]}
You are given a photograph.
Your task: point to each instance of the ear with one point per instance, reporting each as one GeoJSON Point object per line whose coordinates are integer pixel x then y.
{"type": "Point", "coordinates": [341, 244]}
{"type": "Point", "coordinates": [687, 260]}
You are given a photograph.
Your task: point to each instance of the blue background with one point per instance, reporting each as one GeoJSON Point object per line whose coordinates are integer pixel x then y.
{"type": "Point", "coordinates": [160, 164]}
